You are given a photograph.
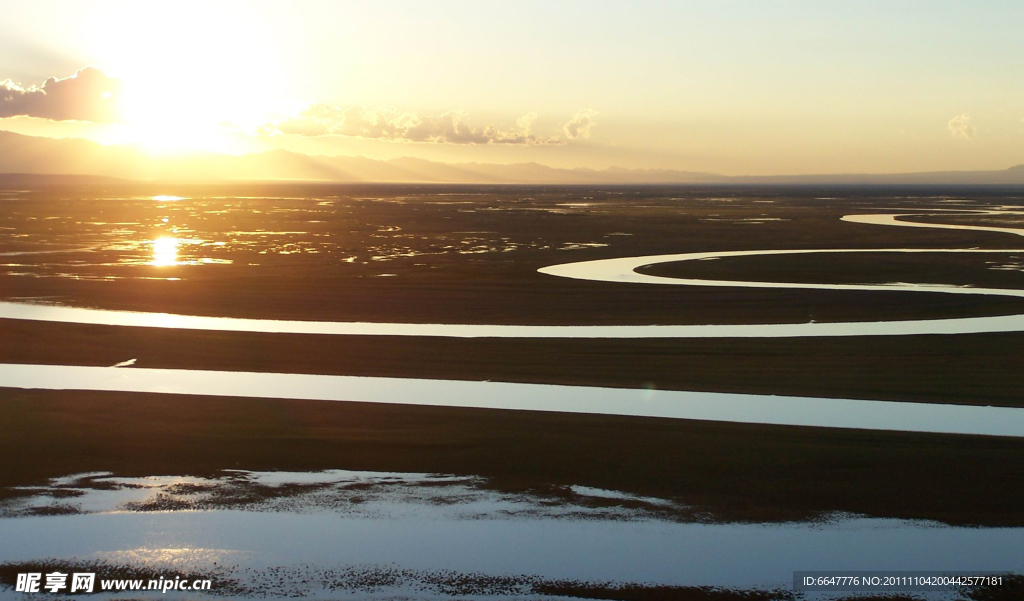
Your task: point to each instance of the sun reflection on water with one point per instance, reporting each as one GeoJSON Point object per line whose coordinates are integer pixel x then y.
{"type": "Point", "coordinates": [165, 198]}
{"type": "Point", "coordinates": [165, 251]}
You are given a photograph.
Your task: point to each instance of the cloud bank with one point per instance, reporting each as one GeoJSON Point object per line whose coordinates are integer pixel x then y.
{"type": "Point", "coordinates": [452, 127]}
{"type": "Point", "coordinates": [88, 95]}
{"type": "Point", "coordinates": [91, 95]}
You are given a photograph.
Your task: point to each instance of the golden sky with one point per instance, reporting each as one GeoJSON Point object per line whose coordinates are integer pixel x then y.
{"type": "Point", "coordinates": [727, 87]}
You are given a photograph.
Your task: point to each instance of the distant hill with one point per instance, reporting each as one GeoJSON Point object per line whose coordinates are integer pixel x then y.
{"type": "Point", "coordinates": [21, 154]}
{"type": "Point", "coordinates": [27, 154]}
{"type": "Point", "coordinates": [13, 180]}
{"type": "Point", "coordinates": [1012, 176]}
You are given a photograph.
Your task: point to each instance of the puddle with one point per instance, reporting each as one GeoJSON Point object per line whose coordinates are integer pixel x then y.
{"type": "Point", "coordinates": [414, 531]}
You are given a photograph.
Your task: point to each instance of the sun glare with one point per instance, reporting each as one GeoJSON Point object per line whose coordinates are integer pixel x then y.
{"type": "Point", "coordinates": [159, 120]}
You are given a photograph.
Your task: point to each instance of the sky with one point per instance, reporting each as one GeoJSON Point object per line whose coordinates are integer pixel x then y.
{"type": "Point", "coordinates": [730, 87]}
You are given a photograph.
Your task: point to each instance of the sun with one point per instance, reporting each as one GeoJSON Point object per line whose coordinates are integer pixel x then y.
{"type": "Point", "coordinates": [188, 83]}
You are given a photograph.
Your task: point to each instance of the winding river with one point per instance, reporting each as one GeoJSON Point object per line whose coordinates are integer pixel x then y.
{"type": "Point", "coordinates": [618, 270]}
{"type": "Point", "coordinates": [765, 409]}
{"type": "Point", "coordinates": [672, 404]}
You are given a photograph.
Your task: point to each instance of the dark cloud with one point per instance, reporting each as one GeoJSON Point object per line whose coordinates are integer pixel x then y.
{"type": "Point", "coordinates": [452, 127]}
{"type": "Point", "coordinates": [88, 95]}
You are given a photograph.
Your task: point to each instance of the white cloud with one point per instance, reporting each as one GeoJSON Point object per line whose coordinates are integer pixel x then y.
{"type": "Point", "coordinates": [580, 124]}
{"type": "Point", "coordinates": [960, 127]}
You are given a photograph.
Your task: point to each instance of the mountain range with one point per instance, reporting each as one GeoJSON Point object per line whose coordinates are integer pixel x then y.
{"type": "Point", "coordinates": [20, 154]}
